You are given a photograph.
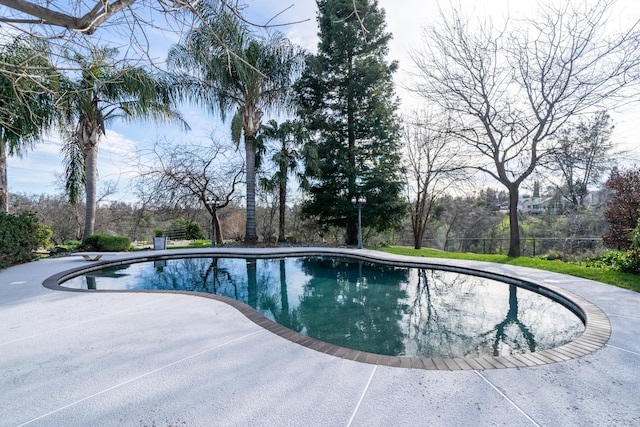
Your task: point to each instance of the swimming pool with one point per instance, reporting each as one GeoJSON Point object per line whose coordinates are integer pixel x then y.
{"type": "Point", "coordinates": [369, 307]}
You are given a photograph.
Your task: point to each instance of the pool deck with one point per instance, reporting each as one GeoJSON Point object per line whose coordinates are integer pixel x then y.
{"type": "Point", "coordinates": [163, 359]}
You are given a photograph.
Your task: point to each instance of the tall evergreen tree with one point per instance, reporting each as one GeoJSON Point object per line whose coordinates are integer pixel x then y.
{"type": "Point", "coordinates": [348, 102]}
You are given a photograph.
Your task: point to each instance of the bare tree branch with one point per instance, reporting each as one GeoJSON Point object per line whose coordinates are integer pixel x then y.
{"type": "Point", "coordinates": [88, 23]}
{"type": "Point", "coordinates": [187, 173]}
{"type": "Point", "coordinates": [511, 88]}
{"type": "Point", "coordinates": [433, 164]}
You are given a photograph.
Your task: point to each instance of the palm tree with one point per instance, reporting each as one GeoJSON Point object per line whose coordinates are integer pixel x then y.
{"type": "Point", "coordinates": [25, 103]}
{"type": "Point", "coordinates": [291, 137]}
{"type": "Point", "coordinates": [102, 93]}
{"type": "Point", "coordinates": [232, 70]}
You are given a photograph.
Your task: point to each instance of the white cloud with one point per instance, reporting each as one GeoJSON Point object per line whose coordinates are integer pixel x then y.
{"type": "Point", "coordinates": [35, 172]}
{"type": "Point", "coordinates": [118, 144]}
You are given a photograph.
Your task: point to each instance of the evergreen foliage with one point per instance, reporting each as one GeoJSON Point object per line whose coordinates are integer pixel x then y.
{"type": "Point", "coordinates": [231, 70]}
{"type": "Point", "coordinates": [348, 103]}
{"type": "Point", "coordinates": [18, 238]}
{"type": "Point", "coordinates": [102, 92]}
{"type": "Point", "coordinates": [290, 137]}
{"type": "Point", "coordinates": [26, 108]}
{"type": "Point", "coordinates": [108, 243]}
{"type": "Point", "coordinates": [625, 262]}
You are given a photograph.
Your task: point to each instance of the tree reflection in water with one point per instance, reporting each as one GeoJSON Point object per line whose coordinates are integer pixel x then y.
{"type": "Point", "coordinates": [511, 319]}
{"type": "Point", "coordinates": [274, 304]}
{"type": "Point", "coordinates": [366, 306]}
{"type": "Point", "coordinates": [453, 315]}
{"type": "Point", "coordinates": [341, 306]}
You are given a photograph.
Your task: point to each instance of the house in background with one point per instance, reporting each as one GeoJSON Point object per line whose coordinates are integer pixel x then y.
{"type": "Point", "coordinates": [535, 205]}
{"type": "Point", "coordinates": [556, 204]}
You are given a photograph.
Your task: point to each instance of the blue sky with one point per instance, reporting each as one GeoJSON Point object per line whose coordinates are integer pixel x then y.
{"type": "Point", "coordinates": [36, 172]}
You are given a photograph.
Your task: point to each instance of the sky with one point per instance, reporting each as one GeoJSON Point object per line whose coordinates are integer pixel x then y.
{"type": "Point", "coordinates": [38, 171]}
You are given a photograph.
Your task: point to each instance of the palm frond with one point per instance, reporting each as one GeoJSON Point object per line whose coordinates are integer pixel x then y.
{"type": "Point", "coordinates": [74, 170]}
{"type": "Point", "coordinates": [236, 128]}
{"type": "Point", "coordinates": [25, 96]}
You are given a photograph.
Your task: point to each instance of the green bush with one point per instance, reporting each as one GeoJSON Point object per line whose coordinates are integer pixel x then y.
{"type": "Point", "coordinates": [19, 238]}
{"type": "Point", "coordinates": [44, 234]}
{"type": "Point", "coordinates": [193, 231]}
{"type": "Point", "coordinates": [108, 243]}
{"type": "Point", "coordinates": [73, 244]}
{"type": "Point", "coordinates": [625, 262]}
{"type": "Point", "coordinates": [552, 255]}
{"type": "Point", "coordinates": [183, 229]}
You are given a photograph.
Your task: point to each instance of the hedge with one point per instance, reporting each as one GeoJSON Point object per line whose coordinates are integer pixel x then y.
{"type": "Point", "coordinates": [108, 243]}
{"type": "Point", "coordinates": [19, 238]}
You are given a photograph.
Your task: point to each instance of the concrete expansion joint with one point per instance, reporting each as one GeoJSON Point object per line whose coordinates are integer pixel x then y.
{"type": "Point", "coordinates": [505, 397]}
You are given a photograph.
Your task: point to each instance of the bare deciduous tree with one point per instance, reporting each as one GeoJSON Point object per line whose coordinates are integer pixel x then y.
{"type": "Point", "coordinates": [86, 16]}
{"type": "Point", "coordinates": [31, 12]}
{"type": "Point", "coordinates": [510, 88]}
{"type": "Point", "coordinates": [191, 171]}
{"type": "Point", "coordinates": [433, 166]}
{"type": "Point", "coordinates": [582, 154]}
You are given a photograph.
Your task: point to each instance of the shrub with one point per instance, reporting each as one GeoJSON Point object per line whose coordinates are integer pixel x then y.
{"type": "Point", "coordinates": [552, 255]}
{"type": "Point", "coordinates": [625, 262]}
{"type": "Point", "coordinates": [73, 244]}
{"type": "Point", "coordinates": [183, 229]}
{"type": "Point", "coordinates": [19, 238]}
{"type": "Point", "coordinates": [108, 243]}
{"type": "Point", "coordinates": [44, 234]}
{"type": "Point", "coordinates": [193, 231]}
{"type": "Point", "coordinates": [622, 211]}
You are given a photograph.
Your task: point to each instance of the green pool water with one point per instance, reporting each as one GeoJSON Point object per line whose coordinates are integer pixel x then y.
{"type": "Point", "coordinates": [366, 306]}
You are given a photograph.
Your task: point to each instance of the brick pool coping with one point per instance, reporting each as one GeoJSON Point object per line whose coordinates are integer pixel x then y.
{"type": "Point", "coordinates": [596, 334]}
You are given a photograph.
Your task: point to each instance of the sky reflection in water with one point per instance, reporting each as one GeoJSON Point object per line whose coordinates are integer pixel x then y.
{"type": "Point", "coordinates": [364, 306]}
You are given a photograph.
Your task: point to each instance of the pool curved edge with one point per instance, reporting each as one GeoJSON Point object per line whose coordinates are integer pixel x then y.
{"type": "Point", "coordinates": [595, 335]}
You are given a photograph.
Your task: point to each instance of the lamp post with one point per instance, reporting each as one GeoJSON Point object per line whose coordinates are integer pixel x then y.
{"type": "Point", "coordinates": [213, 202]}
{"type": "Point", "coordinates": [359, 202]}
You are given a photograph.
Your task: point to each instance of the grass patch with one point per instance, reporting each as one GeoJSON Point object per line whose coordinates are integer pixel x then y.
{"type": "Point", "coordinates": [195, 244]}
{"type": "Point", "coordinates": [621, 280]}
{"type": "Point", "coordinates": [71, 245]}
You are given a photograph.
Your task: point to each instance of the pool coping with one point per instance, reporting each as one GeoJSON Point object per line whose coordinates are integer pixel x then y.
{"type": "Point", "coordinates": [594, 337]}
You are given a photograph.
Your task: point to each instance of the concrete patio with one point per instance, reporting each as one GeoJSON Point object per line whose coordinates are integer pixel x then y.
{"type": "Point", "coordinates": [162, 359]}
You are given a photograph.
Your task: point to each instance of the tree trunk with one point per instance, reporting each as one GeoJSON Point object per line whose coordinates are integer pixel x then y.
{"type": "Point", "coordinates": [419, 218]}
{"type": "Point", "coordinates": [218, 236]}
{"type": "Point", "coordinates": [417, 228]}
{"type": "Point", "coordinates": [418, 234]}
{"type": "Point", "coordinates": [284, 295]}
{"type": "Point", "coordinates": [4, 187]}
{"type": "Point", "coordinates": [250, 235]}
{"type": "Point", "coordinates": [514, 229]}
{"type": "Point", "coordinates": [91, 175]}
{"type": "Point", "coordinates": [283, 203]}
{"type": "Point", "coordinates": [351, 237]}
{"type": "Point", "coordinates": [252, 283]}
